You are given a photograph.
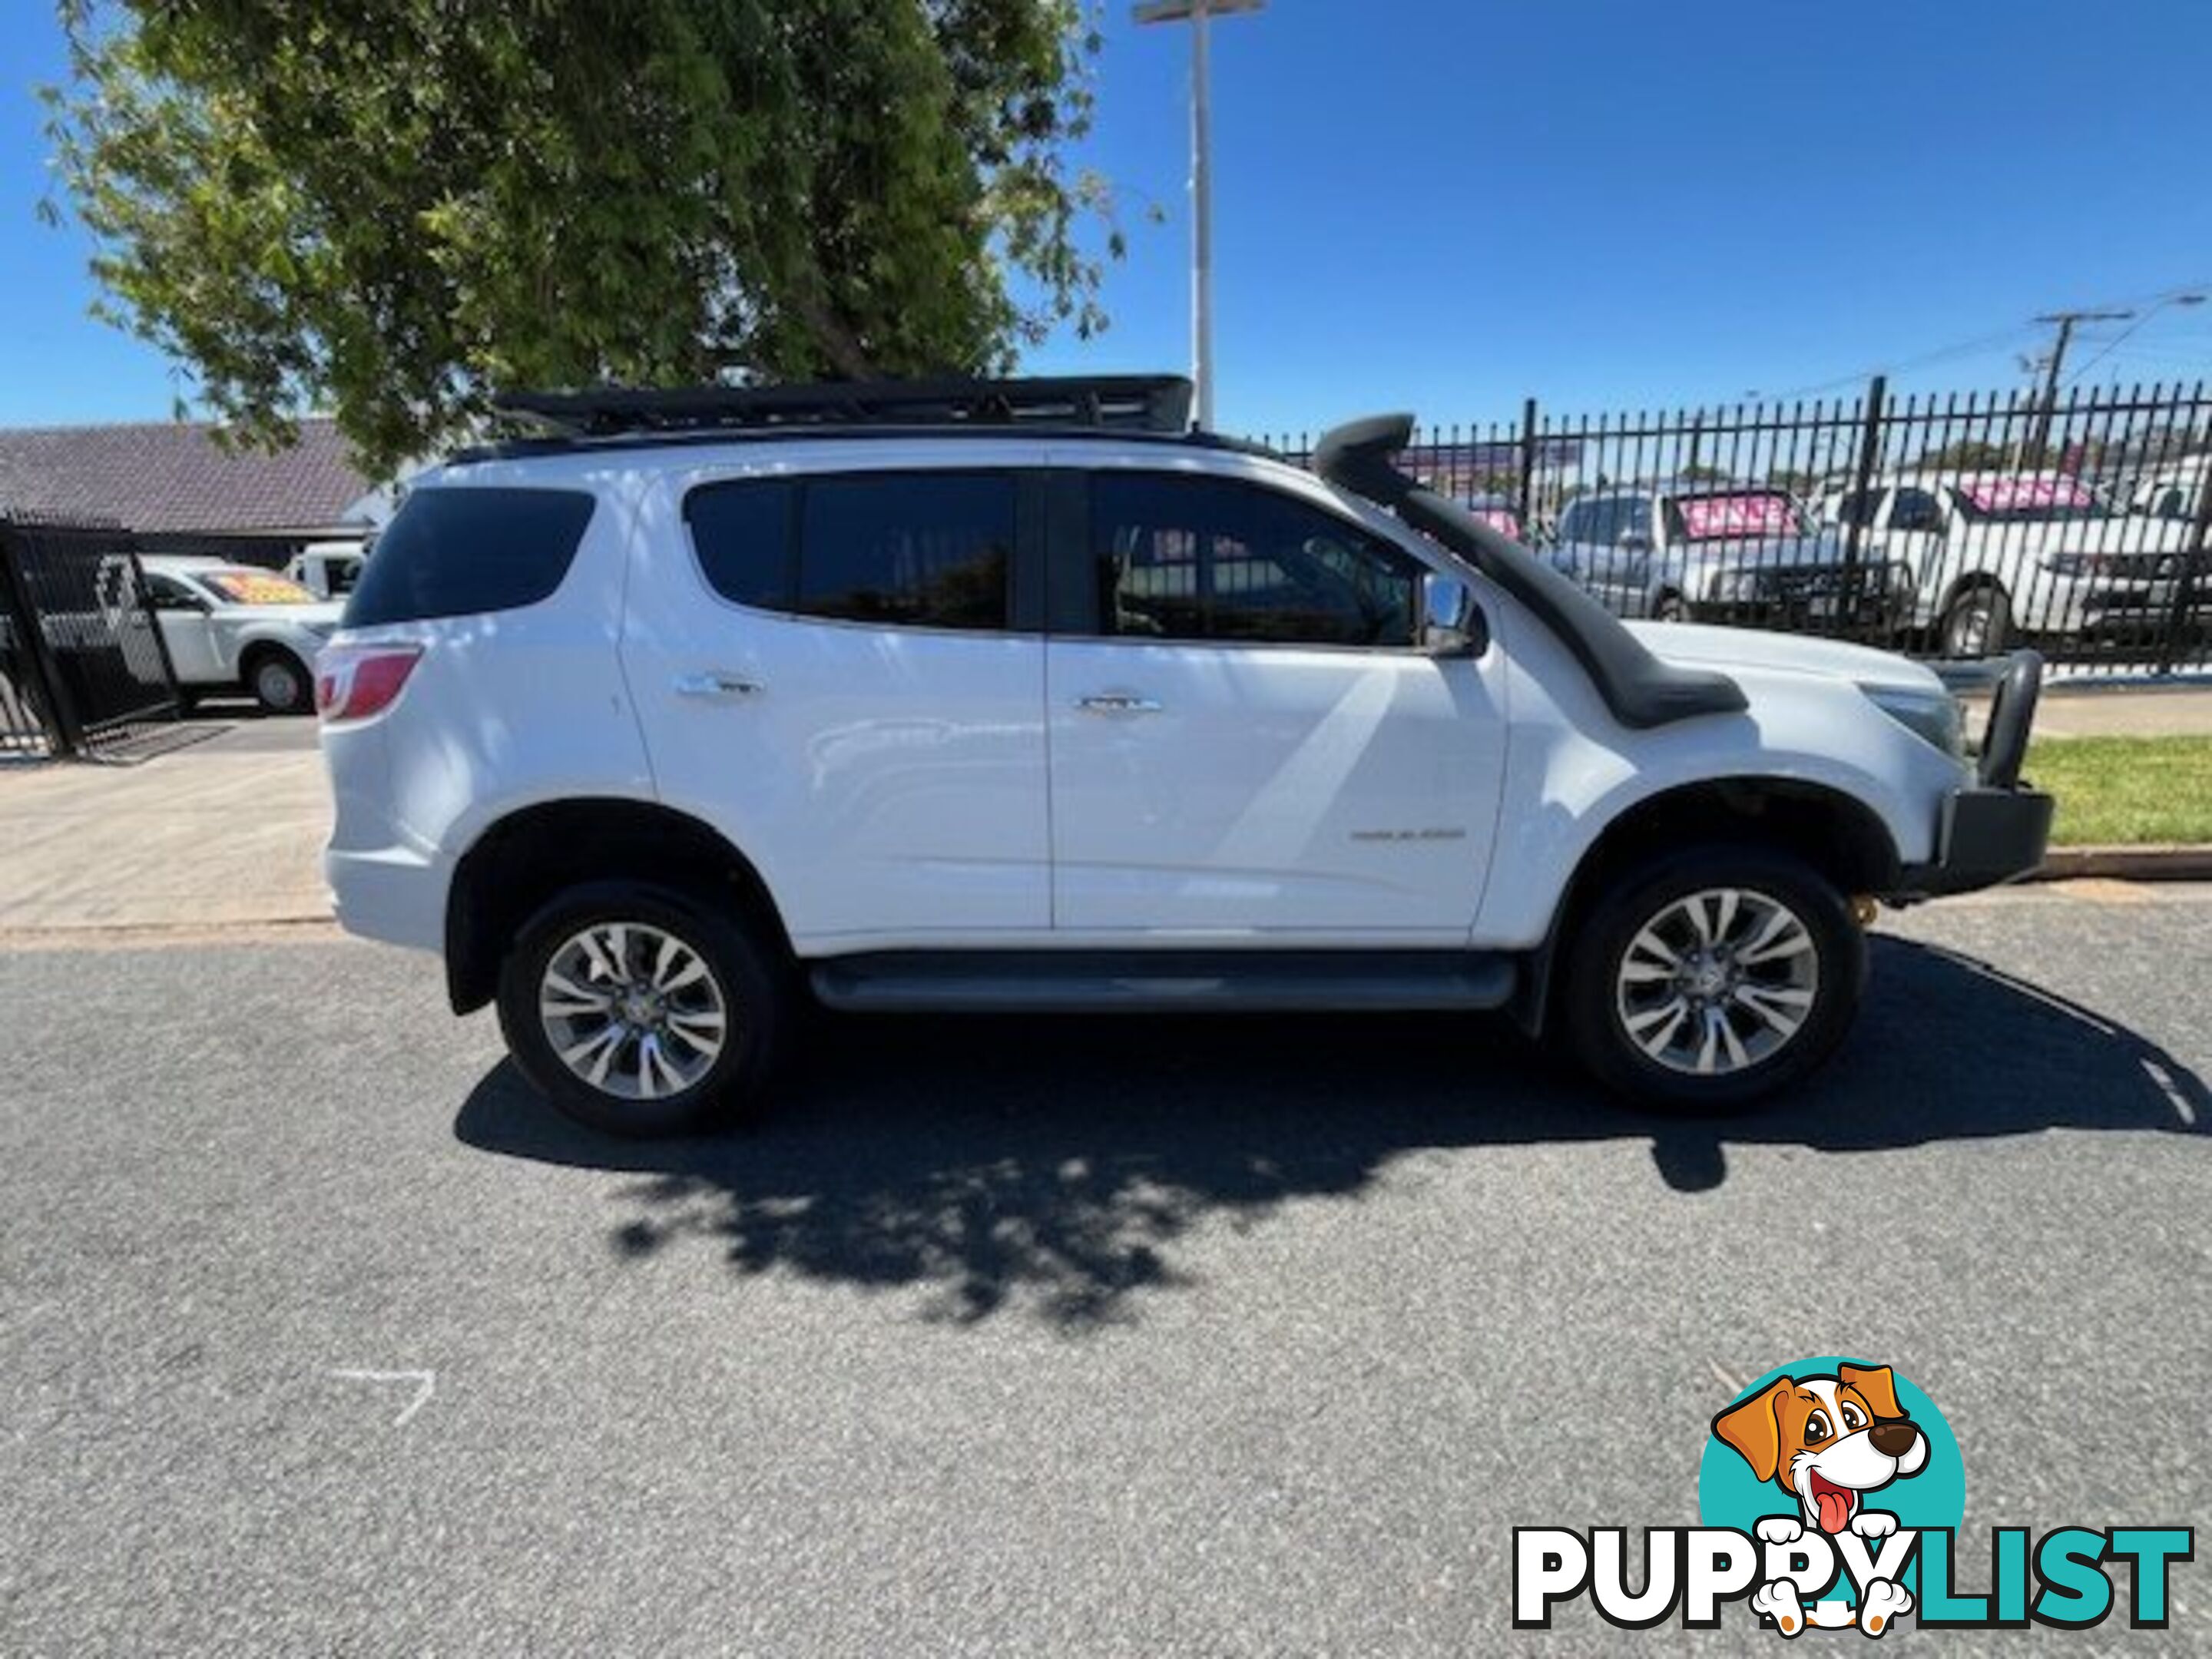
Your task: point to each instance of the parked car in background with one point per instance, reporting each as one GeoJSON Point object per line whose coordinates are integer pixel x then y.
{"type": "Point", "coordinates": [231, 627]}
{"type": "Point", "coordinates": [1996, 556]}
{"type": "Point", "coordinates": [2172, 492]}
{"type": "Point", "coordinates": [1698, 550]}
{"type": "Point", "coordinates": [329, 570]}
{"type": "Point", "coordinates": [1499, 514]}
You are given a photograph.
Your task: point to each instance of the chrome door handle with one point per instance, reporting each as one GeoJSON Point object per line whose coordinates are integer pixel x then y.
{"type": "Point", "coordinates": [716, 685]}
{"type": "Point", "coordinates": [1117, 702]}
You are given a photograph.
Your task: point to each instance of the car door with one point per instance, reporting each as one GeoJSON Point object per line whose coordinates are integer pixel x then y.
{"type": "Point", "coordinates": [1613, 557]}
{"type": "Point", "coordinates": [1913, 532]}
{"type": "Point", "coordinates": [827, 671]}
{"type": "Point", "coordinates": [185, 618]}
{"type": "Point", "coordinates": [1245, 739]}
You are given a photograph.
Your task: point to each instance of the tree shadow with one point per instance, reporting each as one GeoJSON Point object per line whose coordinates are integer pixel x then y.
{"type": "Point", "coordinates": [1053, 1162]}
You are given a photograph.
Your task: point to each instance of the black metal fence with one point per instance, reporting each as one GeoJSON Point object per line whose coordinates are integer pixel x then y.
{"type": "Point", "coordinates": [83, 667]}
{"type": "Point", "coordinates": [1955, 524]}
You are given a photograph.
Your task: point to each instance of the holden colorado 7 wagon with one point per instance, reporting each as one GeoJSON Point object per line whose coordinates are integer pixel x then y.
{"type": "Point", "coordinates": [1024, 696]}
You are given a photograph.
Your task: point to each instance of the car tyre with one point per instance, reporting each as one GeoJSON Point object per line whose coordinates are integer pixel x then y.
{"type": "Point", "coordinates": [714, 981]}
{"type": "Point", "coordinates": [1979, 623]}
{"type": "Point", "coordinates": [1784, 952]}
{"type": "Point", "coordinates": [1670, 608]}
{"type": "Point", "coordinates": [280, 682]}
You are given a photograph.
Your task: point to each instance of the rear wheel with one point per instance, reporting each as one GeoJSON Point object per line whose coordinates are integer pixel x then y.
{"type": "Point", "coordinates": [639, 1011]}
{"type": "Point", "coordinates": [1705, 979]}
{"type": "Point", "coordinates": [1670, 607]}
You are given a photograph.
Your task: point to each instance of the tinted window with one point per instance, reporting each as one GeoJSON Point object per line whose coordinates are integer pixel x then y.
{"type": "Point", "coordinates": [742, 533]}
{"type": "Point", "coordinates": [1858, 508]}
{"type": "Point", "coordinates": [1607, 519]}
{"type": "Point", "coordinates": [928, 550]}
{"type": "Point", "coordinates": [454, 552]}
{"type": "Point", "coordinates": [1182, 558]}
{"type": "Point", "coordinates": [1915, 510]}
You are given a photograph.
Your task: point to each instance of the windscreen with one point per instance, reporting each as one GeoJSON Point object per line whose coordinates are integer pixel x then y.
{"type": "Point", "coordinates": [255, 587]}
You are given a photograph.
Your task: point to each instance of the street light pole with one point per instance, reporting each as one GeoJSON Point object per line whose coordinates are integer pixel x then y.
{"type": "Point", "coordinates": [1197, 13]}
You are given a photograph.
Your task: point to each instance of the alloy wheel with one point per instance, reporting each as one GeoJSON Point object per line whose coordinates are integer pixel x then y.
{"type": "Point", "coordinates": [633, 1011]}
{"type": "Point", "coordinates": [1717, 981]}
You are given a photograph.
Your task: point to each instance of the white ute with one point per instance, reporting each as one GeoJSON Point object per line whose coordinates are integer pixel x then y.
{"type": "Point", "coordinates": [1021, 695]}
{"type": "Point", "coordinates": [232, 627]}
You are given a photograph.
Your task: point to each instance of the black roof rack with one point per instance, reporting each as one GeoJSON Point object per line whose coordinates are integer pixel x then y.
{"type": "Point", "coordinates": [1141, 402]}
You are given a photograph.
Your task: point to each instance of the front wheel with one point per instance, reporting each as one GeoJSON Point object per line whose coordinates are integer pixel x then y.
{"type": "Point", "coordinates": [279, 682]}
{"type": "Point", "coordinates": [1703, 980]}
{"type": "Point", "coordinates": [1978, 624]}
{"type": "Point", "coordinates": [640, 1011]}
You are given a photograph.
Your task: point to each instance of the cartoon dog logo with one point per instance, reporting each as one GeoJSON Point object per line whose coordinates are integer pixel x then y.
{"type": "Point", "coordinates": [1827, 1442]}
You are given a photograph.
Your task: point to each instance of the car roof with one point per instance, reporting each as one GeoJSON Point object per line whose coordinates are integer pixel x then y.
{"type": "Point", "coordinates": [1679, 486]}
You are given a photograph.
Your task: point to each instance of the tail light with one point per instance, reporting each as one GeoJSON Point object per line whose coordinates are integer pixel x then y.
{"type": "Point", "coordinates": [353, 681]}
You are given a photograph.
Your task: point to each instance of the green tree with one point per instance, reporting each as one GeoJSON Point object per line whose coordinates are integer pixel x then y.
{"type": "Point", "coordinates": [395, 208]}
{"type": "Point", "coordinates": [1969, 455]}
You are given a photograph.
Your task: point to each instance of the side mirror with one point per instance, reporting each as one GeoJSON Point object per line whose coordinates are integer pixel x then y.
{"type": "Point", "coordinates": [1633, 541]}
{"type": "Point", "coordinates": [1452, 623]}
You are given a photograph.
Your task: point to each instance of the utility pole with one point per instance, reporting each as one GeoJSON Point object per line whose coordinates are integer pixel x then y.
{"type": "Point", "coordinates": [1196, 13]}
{"type": "Point", "coordinates": [2066, 322]}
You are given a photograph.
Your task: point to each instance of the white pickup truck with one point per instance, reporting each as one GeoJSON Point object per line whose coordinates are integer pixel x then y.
{"type": "Point", "coordinates": [1999, 556]}
{"type": "Point", "coordinates": [232, 627]}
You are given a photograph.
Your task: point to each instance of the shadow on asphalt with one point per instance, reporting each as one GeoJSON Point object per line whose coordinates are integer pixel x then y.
{"type": "Point", "coordinates": [1053, 1160]}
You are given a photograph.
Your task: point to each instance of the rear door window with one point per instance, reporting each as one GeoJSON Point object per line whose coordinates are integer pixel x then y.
{"type": "Point", "coordinates": [459, 552]}
{"type": "Point", "coordinates": [917, 549]}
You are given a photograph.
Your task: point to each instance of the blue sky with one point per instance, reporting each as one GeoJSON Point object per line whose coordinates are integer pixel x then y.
{"type": "Point", "coordinates": [1451, 204]}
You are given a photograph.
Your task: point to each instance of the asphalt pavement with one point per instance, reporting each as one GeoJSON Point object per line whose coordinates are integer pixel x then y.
{"type": "Point", "coordinates": [318, 1334]}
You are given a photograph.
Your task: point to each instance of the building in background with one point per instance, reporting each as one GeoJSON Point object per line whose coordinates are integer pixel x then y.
{"type": "Point", "coordinates": [180, 490]}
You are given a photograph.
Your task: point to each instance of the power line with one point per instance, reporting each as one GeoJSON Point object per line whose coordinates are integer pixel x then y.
{"type": "Point", "coordinates": [2183, 299]}
{"type": "Point", "coordinates": [1987, 342]}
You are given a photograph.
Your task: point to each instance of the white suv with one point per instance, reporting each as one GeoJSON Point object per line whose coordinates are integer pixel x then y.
{"type": "Point", "coordinates": [1022, 695]}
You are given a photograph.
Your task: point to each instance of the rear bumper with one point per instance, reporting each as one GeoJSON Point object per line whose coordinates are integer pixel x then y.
{"type": "Point", "coordinates": [389, 893]}
{"type": "Point", "coordinates": [1997, 829]}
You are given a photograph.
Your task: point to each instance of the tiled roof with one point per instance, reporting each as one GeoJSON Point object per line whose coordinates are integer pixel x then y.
{"type": "Point", "coordinates": [160, 476]}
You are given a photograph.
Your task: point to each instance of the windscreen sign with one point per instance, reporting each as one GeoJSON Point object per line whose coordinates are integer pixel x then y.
{"type": "Point", "coordinates": [1711, 517]}
{"type": "Point", "coordinates": [2025, 494]}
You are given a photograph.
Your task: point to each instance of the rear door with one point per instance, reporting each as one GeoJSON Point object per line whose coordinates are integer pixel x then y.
{"type": "Point", "coordinates": [1244, 739]}
{"type": "Point", "coordinates": [829, 671]}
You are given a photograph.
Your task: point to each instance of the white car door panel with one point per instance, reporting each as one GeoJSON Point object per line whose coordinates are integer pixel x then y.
{"type": "Point", "coordinates": [1243, 785]}
{"type": "Point", "coordinates": [187, 628]}
{"type": "Point", "coordinates": [887, 776]}
{"type": "Point", "coordinates": [1257, 789]}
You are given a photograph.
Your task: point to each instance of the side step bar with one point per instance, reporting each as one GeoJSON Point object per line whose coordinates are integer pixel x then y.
{"type": "Point", "coordinates": [1152, 982]}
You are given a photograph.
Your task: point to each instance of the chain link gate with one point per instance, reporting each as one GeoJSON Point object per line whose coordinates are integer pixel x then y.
{"type": "Point", "coordinates": [83, 666]}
